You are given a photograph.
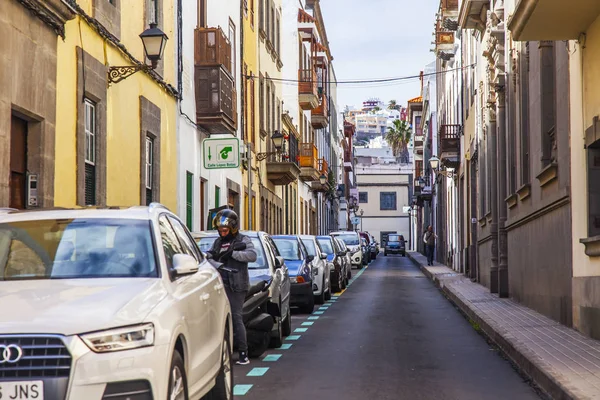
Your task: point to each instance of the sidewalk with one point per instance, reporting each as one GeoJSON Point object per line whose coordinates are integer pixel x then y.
{"type": "Point", "coordinates": [561, 361]}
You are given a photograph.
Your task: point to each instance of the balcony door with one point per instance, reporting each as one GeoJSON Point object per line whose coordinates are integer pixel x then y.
{"type": "Point", "coordinates": [18, 163]}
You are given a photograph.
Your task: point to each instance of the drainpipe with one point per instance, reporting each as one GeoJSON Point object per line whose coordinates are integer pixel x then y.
{"type": "Point", "coordinates": [248, 146]}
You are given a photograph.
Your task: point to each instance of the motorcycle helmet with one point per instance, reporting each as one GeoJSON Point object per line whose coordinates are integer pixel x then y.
{"type": "Point", "coordinates": [227, 219]}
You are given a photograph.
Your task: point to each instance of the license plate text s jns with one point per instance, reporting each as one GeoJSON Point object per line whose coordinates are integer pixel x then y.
{"type": "Point", "coordinates": [32, 390]}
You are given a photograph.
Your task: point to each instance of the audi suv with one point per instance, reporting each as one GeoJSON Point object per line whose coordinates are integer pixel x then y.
{"type": "Point", "coordinates": [109, 304]}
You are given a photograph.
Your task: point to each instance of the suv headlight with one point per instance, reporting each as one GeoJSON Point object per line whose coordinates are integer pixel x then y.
{"type": "Point", "coordinates": [126, 338]}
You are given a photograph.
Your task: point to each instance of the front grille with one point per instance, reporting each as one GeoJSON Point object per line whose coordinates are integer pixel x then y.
{"type": "Point", "coordinates": [43, 357]}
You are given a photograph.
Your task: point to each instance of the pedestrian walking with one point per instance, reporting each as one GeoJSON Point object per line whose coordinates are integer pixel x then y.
{"type": "Point", "coordinates": [429, 239]}
{"type": "Point", "coordinates": [234, 251]}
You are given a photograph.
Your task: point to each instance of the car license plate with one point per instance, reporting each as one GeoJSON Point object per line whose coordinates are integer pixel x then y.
{"type": "Point", "coordinates": [25, 390]}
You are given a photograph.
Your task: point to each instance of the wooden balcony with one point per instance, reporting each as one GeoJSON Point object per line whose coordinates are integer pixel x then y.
{"type": "Point", "coordinates": [349, 130]}
{"type": "Point", "coordinates": [307, 89]}
{"type": "Point", "coordinates": [309, 162]}
{"type": "Point", "coordinates": [212, 48]}
{"type": "Point", "coordinates": [216, 100]}
{"type": "Point", "coordinates": [316, 186]}
{"type": "Point", "coordinates": [348, 160]}
{"type": "Point", "coordinates": [449, 8]}
{"type": "Point", "coordinates": [450, 145]}
{"type": "Point", "coordinates": [320, 115]}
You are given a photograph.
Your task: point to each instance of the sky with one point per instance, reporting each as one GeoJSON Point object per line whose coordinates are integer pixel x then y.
{"type": "Point", "coordinates": [373, 39]}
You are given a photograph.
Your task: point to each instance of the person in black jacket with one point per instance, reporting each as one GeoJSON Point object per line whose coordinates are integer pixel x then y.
{"type": "Point", "coordinates": [234, 251]}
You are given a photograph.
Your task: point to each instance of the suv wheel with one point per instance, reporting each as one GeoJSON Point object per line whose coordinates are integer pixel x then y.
{"type": "Point", "coordinates": [178, 389]}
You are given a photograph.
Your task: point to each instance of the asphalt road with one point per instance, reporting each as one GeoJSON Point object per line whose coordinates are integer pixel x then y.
{"type": "Point", "coordinates": [390, 335]}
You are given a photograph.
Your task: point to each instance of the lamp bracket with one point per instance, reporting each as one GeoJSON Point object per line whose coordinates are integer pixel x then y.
{"type": "Point", "coordinates": [120, 73]}
{"type": "Point", "coordinates": [263, 156]}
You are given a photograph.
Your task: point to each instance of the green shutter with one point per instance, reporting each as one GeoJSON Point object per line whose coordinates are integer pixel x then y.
{"type": "Point", "coordinates": [217, 196]}
{"type": "Point", "coordinates": [189, 199]}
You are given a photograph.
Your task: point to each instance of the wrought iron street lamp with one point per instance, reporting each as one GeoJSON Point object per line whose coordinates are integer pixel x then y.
{"type": "Point", "coordinates": [277, 139]}
{"type": "Point", "coordinates": [154, 41]}
{"type": "Point", "coordinates": [323, 179]}
{"type": "Point", "coordinates": [434, 163]}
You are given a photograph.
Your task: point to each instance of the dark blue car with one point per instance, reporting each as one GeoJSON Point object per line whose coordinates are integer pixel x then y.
{"type": "Point", "coordinates": [299, 268]}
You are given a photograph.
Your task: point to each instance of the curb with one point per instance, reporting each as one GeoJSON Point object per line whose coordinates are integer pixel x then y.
{"type": "Point", "coordinates": [525, 363]}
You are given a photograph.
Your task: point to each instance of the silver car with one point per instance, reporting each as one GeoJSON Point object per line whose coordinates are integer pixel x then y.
{"type": "Point", "coordinates": [322, 274]}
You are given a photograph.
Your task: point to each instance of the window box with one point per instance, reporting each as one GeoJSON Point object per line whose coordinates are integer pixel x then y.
{"type": "Point", "coordinates": [592, 246]}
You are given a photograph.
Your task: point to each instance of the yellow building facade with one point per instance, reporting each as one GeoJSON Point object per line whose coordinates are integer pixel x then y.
{"type": "Point", "coordinates": [116, 142]}
{"type": "Point", "coordinates": [250, 110]}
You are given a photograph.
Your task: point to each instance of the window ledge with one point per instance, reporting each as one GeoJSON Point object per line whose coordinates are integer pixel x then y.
{"type": "Point", "coordinates": [263, 133]}
{"type": "Point", "coordinates": [488, 217]}
{"type": "Point", "coordinates": [524, 191]}
{"type": "Point", "coordinates": [482, 222]}
{"type": "Point", "coordinates": [592, 246]}
{"type": "Point", "coordinates": [512, 200]}
{"type": "Point", "coordinates": [548, 174]}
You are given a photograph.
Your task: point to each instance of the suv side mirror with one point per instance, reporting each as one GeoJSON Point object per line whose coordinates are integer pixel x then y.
{"type": "Point", "coordinates": [184, 264]}
{"type": "Point", "coordinates": [323, 256]}
{"type": "Point", "coordinates": [310, 258]}
{"type": "Point", "coordinates": [278, 262]}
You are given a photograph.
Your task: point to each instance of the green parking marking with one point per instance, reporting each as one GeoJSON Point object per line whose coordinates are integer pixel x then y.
{"type": "Point", "coordinates": [307, 323]}
{"type": "Point", "coordinates": [293, 337]}
{"type": "Point", "coordinates": [318, 313]}
{"type": "Point", "coordinates": [272, 357]}
{"type": "Point", "coordinates": [323, 308]}
{"type": "Point", "coordinates": [258, 371]}
{"type": "Point", "coordinates": [313, 318]}
{"type": "Point", "coordinates": [286, 346]}
{"type": "Point", "coordinates": [300, 330]}
{"type": "Point", "coordinates": [326, 305]}
{"type": "Point", "coordinates": [241, 390]}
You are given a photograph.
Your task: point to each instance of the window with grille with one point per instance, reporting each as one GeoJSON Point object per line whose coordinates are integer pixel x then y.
{"type": "Point", "coordinates": [363, 197]}
{"type": "Point", "coordinates": [149, 168]}
{"type": "Point", "coordinates": [387, 201]}
{"type": "Point", "coordinates": [90, 152]}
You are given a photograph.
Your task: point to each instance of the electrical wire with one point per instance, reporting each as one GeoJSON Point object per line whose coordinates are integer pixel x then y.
{"type": "Point", "coordinates": [370, 81]}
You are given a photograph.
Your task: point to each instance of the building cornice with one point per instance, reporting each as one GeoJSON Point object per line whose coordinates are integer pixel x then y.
{"type": "Point", "coordinates": [53, 13]}
{"type": "Point", "coordinates": [112, 39]}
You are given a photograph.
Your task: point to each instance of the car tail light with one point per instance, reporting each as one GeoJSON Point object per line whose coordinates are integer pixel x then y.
{"type": "Point", "coordinates": [299, 279]}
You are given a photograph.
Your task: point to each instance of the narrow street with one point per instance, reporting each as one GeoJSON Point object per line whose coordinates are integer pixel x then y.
{"type": "Point", "coordinates": [391, 335]}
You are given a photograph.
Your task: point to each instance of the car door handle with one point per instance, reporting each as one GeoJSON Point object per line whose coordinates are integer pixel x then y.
{"type": "Point", "coordinates": [204, 297]}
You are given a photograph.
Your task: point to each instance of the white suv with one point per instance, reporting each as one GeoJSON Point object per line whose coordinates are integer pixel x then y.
{"type": "Point", "coordinates": [352, 241]}
{"type": "Point", "coordinates": [109, 304]}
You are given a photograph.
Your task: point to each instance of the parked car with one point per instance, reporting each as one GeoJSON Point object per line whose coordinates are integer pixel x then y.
{"type": "Point", "coordinates": [371, 245]}
{"type": "Point", "coordinates": [322, 280]}
{"type": "Point", "coordinates": [93, 290]}
{"type": "Point", "coordinates": [300, 269]}
{"type": "Point", "coordinates": [395, 245]}
{"type": "Point", "coordinates": [352, 241]}
{"type": "Point", "coordinates": [264, 268]}
{"type": "Point", "coordinates": [335, 261]}
{"type": "Point", "coordinates": [343, 249]}
{"type": "Point", "coordinates": [366, 251]}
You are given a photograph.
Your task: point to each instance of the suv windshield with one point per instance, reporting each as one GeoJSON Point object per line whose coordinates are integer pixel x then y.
{"type": "Point", "coordinates": [76, 248]}
{"type": "Point", "coordinates": [326, 245]}
{"type": "Point", "coordinates": [288, 248]}
{"type": "Point", "coordinates": [206, 244]}
{"type": "Point", "coordinates": [350, 240]}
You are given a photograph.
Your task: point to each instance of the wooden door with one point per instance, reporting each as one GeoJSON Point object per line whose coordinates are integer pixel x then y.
{"type": "Point", "coordinates": [18, 163]}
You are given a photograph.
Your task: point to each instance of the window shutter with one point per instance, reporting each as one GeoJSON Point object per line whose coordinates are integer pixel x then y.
{"type": "Point", "coordinates": [90, 184]}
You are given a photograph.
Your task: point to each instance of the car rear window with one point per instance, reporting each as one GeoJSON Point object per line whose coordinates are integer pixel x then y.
{"type": "Point", "coordinates": [394, 238]}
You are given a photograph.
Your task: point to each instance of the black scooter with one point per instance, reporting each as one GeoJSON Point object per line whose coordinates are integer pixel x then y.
{"type": "Point", "coordinates": [255, 313]}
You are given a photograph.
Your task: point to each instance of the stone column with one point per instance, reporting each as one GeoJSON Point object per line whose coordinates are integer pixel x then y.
{"type": "Point", "coordinates": [493, 162]}
{"type": "Point", "coordinates": [502, 209]}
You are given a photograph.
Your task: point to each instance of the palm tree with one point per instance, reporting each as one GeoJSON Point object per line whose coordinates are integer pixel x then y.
{"type": "Point", "coordinates": [376, 109]}
{"type": "Point", "coordinates": [398, 136]}
{"type": "Point", "coordinates": [393, 105]}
